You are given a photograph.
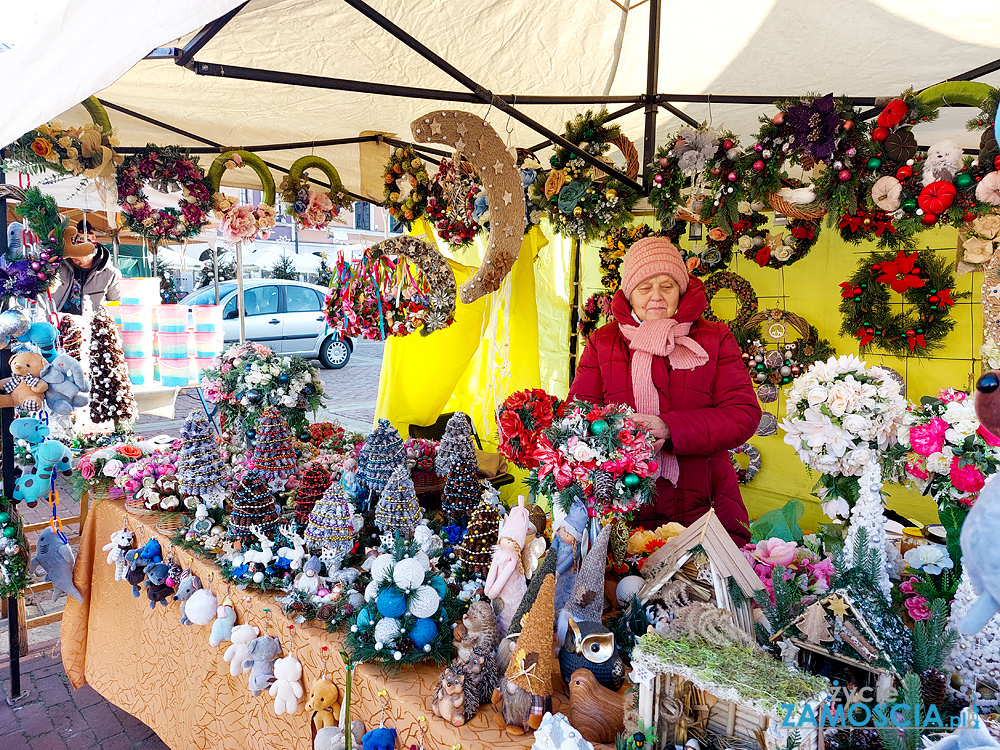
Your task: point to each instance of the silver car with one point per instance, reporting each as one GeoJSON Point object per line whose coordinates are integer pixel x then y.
{"type": "Point", "coordinates": [287, 316]}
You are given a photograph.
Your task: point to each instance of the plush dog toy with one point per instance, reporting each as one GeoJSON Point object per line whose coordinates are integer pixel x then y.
{"type": "Point", "coordinates": [117, 548]}
{"type": "Point", "coordinates": [225, 621]}
{"type": "Point", "coordinates": [287, 686]}
{"type": "Point", "coordinates": [261, 654]}
{"type": "Point", "coordinates": [25, 386]}
{"type": "Point", "coordinates": [50, 457]}
{"type": "Point", "coordinates": [324, 699]}
{"type": "Point", "coordinates": [68, 387]}
{"type": "Point", "coordinates": [381, 738]}
{"type": "Point", "coordinates": [242, 636]}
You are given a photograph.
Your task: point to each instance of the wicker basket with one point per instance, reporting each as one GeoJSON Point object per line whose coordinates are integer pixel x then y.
{"type": "Point", "coordinates": [170, 523]}
{"type": "Point", "coordinates": [137, 507]}
{"type": "Point", "coordinates": [806, 212]}
{"type": "Point", "coordinates": [684, 215]}
{"type": "Point", "coordinates": [427, 482]}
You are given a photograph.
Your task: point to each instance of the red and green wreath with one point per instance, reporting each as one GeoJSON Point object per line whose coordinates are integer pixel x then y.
{"type": "Point", "coordinates": [777, 250]}
{"type": "Point", "coordinates": [870, 309]}
{"type": "Point", "coordinates": [167, 169]}
{"type": "Point", "coordinates": [746, 297]}
{"type": "Point", "coordinates": [452, 201]}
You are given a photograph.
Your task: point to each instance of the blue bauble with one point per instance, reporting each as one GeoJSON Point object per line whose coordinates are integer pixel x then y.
{"type": "Point", "coordinates": [437, 583]}
{"type": "Point", "coordinates": [423, 632]}
{"type": "Point", "coordinates": [284, 378]}
{"type": "Point", "coordinates": [364, 620]}
{"type": "Point", "coordinates": [255, 395]}
{"type": "Point", "coordinates": [391, 602]}
{"type": "Point", "coordinates": [251, 436]}
{"type": "Point", "coordinates": [270, 570]}
{"type": "Point", "coordinates": [309, 389]}
{"type": "Point", "coordinates": [248, 366]}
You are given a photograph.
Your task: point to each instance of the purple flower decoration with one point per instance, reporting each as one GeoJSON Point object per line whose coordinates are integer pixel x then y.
{"type": "Point", "coordinates": [18, 279]}
{"type": "Point", "coordinates": [814, 127]}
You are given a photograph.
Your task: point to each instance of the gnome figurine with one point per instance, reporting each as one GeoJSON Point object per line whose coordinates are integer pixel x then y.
{"type": "Point", "coordinates": [566, 545]}
{"type": "Point", "coordinates": [524, 693]}
{"type": "Point", "coordinates": [505, 583]}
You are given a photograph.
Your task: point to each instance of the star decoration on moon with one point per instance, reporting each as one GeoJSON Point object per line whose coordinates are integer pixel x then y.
{"type": "Point", "coordinates": [460, 144]}
{"type": "Point", "coordinates": [837, 605]}
{"type": "Point", "coordinates": [507, 198]}
{"type": "Point", "coordinates": [435, 127]}
{"type": "Point", "coordinates": [497, 167]}
{"type": "Point", "coordinates": [462, 128]}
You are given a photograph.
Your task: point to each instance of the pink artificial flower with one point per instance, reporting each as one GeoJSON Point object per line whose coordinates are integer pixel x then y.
{"type": "Point", "coordinates": [212, 388]}
{"type": "Point", "coordinates": [776, 551]}
{"type": "Point", "coordinates": [239, 224]}
{"type": "Point", "coordinates": [966, 478]}
{"type": "Point", "coordinates": [907, 586]}
{"type": "Point", "coordinates": [950, 394]}
{"type": "Point", "coordinates": [916, 466]}
{"type": "Point", "coordinates": [822, 571]}
{"type": "Point", "coordinates": [928, 438]}
{"type": "Point", "coordinates": [87, 470]}
{"type": "Point", "coordinates": [916, 607]}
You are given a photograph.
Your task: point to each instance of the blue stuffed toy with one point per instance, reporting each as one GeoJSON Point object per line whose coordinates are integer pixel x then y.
{"type": "Point", "coordinates": [151, 553]}
{"type": "Point", "coordinates": [67, 385]}
{"type": "Point", "coordinates": [50, 456]}
{"type": "Point", "coordinates": [379, 739]}
{"type": "Point", "coordinates": [30, 430]}
{"type": "Point", "coordinates": [43, 335]}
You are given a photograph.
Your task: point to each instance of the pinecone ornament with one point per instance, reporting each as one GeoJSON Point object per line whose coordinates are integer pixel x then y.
{"type": "Point", "coordinates": [604, 487]}
{"type": "Point", "coordinates": [932, 687]}
{"type": "Point", "coordinates": [618, 543]}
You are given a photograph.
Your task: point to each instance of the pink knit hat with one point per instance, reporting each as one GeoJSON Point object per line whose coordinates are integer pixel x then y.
{"type": "Point", "coordinates": [516, 525]}
{"type": "Point", "coordinates": [651, 257]}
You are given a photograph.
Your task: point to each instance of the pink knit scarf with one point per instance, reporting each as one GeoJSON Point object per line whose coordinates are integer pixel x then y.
{"type": "Point", "coordinates": [661, 338]}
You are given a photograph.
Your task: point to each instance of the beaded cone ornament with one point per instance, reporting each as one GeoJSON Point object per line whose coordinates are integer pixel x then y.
{"type": "Point", "coordinates": [462, 490]}
{"type": "Point", "coordinates": [398, 509]}
{"type": "Point", "coordinates": [273, 453]}
{"type": "Point", "coordinates": [330, 522]}
{"type": "Point", "coordinates": [476, 549]}
{"type": "Point", "coordinates": [201, 470]}
{"type": "Point", "coordinates": [312, 484]}
{"type": "Point", "coordinates": [254, 508]}
{"type": "Point", "coordinates": [456, 441]}
{"type": "Point", "coordinates": [975, 658]}
{"type": "Point", "coordinates": [380, 456]}
{"type": "Point", "coordinates": [111, 398]}
{"type": "Point", "coordinates": [70, 336]}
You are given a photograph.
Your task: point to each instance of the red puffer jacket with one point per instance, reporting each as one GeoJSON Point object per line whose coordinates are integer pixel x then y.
{"type": "Point", "coordinates": [709, 410]}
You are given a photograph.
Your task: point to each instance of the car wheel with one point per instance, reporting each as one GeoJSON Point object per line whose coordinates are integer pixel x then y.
{"type": "Point", "coordinates": [334, 353]}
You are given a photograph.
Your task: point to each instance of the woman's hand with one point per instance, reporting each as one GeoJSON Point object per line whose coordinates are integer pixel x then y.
{"type": "Point", "coordinates": [657, 427]}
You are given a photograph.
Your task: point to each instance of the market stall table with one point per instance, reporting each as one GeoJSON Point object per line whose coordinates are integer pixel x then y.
{"type": "Point", "coordinates": [166, 675]}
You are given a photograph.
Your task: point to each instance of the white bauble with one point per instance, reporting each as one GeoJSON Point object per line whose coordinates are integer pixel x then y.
{"type": "Point", "coordinates": [371, 591]}
{"type": "Point", "coordinates": [408, 573]}
{"type": "Point", "coordinates": [382, 567]}
{"type": "Point", "coordinates": [628, 587]}
{"type": "Point", "coordinates": [387, 630]}
{"type": "Point", "coordinates": [424, 602]}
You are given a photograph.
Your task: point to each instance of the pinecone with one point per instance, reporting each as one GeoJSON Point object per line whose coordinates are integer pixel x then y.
{"type": "Point", "coordinates": [932, 687]}
{"type": "Point", "coordinates": [618, 542]}
{"type": "Point", "coordinates": [604, 487]}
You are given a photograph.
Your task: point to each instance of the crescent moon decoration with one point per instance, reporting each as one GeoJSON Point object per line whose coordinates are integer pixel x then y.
{"type": "Point", "coordinates": [437, 272]}
{"type": "Point", "coordinates": [313, 209]}
{"type": "Point", "coordinates": [237, 225]}
{"type": "Point", "coordinates": [479, 143]}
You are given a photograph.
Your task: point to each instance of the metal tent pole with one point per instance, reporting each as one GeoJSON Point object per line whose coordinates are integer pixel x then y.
{"type": "Point", "coordinates": [652, 71]}
{"type": "Point", "coordinates": [240, 302]}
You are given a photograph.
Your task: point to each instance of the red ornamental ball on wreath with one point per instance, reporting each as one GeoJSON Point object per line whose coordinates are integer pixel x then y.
{"type": "Point", "coordinates": [937, 197]}
{"type": "Point", "coordinates": [893, 114]}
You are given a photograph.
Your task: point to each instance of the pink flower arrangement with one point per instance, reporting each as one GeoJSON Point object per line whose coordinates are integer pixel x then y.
{"type": "Point", "coordinates": [319, 210]}
{"type": "Point", "coordinates": [966, 478]}
{"type": "Point", "coordinates": [810, 572]}
{"type": "Point", "coordinates": [928, 439]}
{"type": "Point", "coordinates": [212, 389]}
{"type": "Point", "coordinates": [239, 223]}
{"type": "Point", "coordinates": [916, 607]}
{"type": "Point", "coordinates": [776, 552]}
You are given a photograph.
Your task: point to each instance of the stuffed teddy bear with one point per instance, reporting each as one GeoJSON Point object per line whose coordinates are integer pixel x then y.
{"type": "Point", "coordinates": [136, 572]}
{"type": "Point", "coordinates": [287, 686]}
{"type": "Point", "coordinates": [120, 544]}
{"type": "Point", "coordinates": [157, 588]}
{"type": "Point", "coordinates": [67, 385]}
{"type": "Point", "coordinates": [50, 457]}
{"type": "Point", "coordinates": [225, 621]}
{"type": "Point", "coordinates": [25, 386]}
{"type": "Point", "coordinates": [261, 653]}
{"type": "Point", "coordinates": [381, 738]}
{"type": "Point", "coordinates": [324, 699]}
{"type": "Point", "coordinates": [242, 636]}
{"type": "Point", "coordinates": [151, 552]}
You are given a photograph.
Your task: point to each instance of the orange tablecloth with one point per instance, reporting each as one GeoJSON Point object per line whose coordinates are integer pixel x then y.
{"type": "Point", "coordinates": [167, 675]}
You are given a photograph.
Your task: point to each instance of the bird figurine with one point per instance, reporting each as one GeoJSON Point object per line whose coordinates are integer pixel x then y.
{"type": "Point", "coordinates": [598, 713]}
{"type": "Point", "coordinates": [591, 646]}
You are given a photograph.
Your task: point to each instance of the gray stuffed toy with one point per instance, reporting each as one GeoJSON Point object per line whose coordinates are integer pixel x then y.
{"type": "Point", "coordinates": [261, 652]}
{"type": "Point", "coordinates": [189, 584]}
{"type": "Point", "coordinates": [55, 557]}
{"type": "Point", "coordinates": [68, 385]}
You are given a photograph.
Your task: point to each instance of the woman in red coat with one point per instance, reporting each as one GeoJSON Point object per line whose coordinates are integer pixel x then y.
{"type": "Point", "coordinates": [684, 376]}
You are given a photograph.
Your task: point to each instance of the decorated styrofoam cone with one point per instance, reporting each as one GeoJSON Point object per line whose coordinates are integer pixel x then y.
{"type": "Point", "coordinates": [424, 602]}
{"type": "Point", "coordinates": [387, 630]}
{"type": "Point", "coordinates": [371, 591]}
{"type": "Point", "coordinates": [408, 573]}
{"type": "Point", "coordinates": [382, 567]}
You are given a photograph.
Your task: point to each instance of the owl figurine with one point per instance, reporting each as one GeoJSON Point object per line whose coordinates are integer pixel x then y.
{"type": "Point", "coordinates": [591, 646]}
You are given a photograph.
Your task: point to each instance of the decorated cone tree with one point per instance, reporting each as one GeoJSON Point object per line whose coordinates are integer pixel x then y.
{"type": "Point", "coordinates": [330, 522]}
{"type": "Point", "coordinates": [254, 508]}
{"type": "Point", "coordinates": [70, 336]}
{"type": "Point", "coordinates": [312, 484]}
{"type": "Point", "coordinates": [476, 550]}
{"type": "Point", "coordinates": [462, 490]}
{"type": "Point", "coordinates": [398, 509]}
{"type": "Point", "coordinates": [456, 441]}
{"type": "Point", "coordinates": [273, 453]}
{"type": "Point", "coordinates": [111, 398]}
{"type": "Point", "coordinates": [380, 456]}
{"type": "Point", "coordinates": [201, 470]}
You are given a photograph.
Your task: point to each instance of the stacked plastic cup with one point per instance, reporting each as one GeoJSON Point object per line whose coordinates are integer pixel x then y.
{"type": "Point", "coordinates": [207, 318]}
{"type": "Point", "coordinates": [175, 372]}
{"type": "Point", "coordinates": [140, 291]}
{"type": "Point", "coordinates": [172, 318]}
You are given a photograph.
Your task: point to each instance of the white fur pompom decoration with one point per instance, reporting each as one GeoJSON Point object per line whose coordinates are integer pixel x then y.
{"type": "Point", "coordinates": [201, 607]}
{"type": "Point", "coordinates": [424, 602]}
{"type": "Point", "coordinates": [798, 196]}
{"type": "Point", "coordinates": [942, 162]}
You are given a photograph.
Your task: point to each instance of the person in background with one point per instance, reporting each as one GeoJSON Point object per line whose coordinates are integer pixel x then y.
{"type": "Point", "coordinates": [93, 276]}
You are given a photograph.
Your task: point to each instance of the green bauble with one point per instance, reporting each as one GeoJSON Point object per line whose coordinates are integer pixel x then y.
{"type": "Point", "coordinates": [910, 204]}
{"type": "Point", "coordinates": [631, 480]}
{"type": "Point", "coordinates": [4, 518]}
{"type": "Point", "coordinates": [10, 532]}
{"type": "Point", "coordinates": [598, 427]}
{"type": "Point", "coordinates": [963, 181]}
{"type": "Point", "coordinates": [874, 163]}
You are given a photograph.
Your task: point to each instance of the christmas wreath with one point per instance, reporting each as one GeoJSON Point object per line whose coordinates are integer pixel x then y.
{"type": "Point", "coordinates": [453, 203]}
{"type": "Point", "coordinates": [313, 209]}
{"type": "Point", "coordinates": [745, 474]}
{"type": "Point", "coordinates": [782, 249]}
{"type": "Point", "coordinates": [746, 233]}
{"type": "Point", "coordinates": [406, 185]}
{"type": "Point", "coordinates": [746, 297]}
{"type": "Point", "coordinates": [923, 280]}
{"type": "Point", "coordinates": [520, 421]}
{"type": "Point", "coordinates": [779, 366]}
{"type": "Point", "coordinates": [167, 168]}
{"type": "Point", "coordinates": [432, 294]}
{"type": "Point", "coordinates": [580, 200]}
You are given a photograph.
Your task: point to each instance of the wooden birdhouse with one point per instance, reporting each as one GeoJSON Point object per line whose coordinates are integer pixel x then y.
{"type": "Point", "coordinates": [704, 558]}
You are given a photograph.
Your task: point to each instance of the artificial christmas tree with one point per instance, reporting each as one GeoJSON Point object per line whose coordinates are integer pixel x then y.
{"type": "Point", "coordinates": [330, 524]}
{"type": "Point", "coordinates": [456, 441]}
{"type": "Point", "coordinates": [462, 490]}
{"type": "Point", "coordinates": [111, 398]}
{"type": "Point", "coordinates": [254, 509]}
{"type": "Point", "coordinates": [70, 336]}
{"type": "Point", "coordinates": [273, 454]}
{"type": "Point", "coordinates": [476, 549]}
{"type": "Point", "coordinates": [312, 484]}
{"type": "Point", "coordinates": [380, 456]}
{"type": "Point", "coordinates": [201, 470]}
{"type": "Point", "coordinates": [398, 509]}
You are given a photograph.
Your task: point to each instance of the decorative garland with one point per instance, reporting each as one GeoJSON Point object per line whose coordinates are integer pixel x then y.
{"type": "Point", "coordinates": [167, 168]}
{"type": "Point", "coordinates": [746, 297]}
{"type": "Point", "coordinates": [454, 204]}
{"type": "Point", "coordinates": [406, 185]}
{"type": "Point", "coordinates": [778, 250]}
{"type": "Point", "coordinates": [241, 222]}
{"type": "Point", "coordinates": [27, 276]}
{"type": "Point", "coordinates": [580, 201]}
{"type": "Point", "coordinates": [754, 462]}
{"type": "Point", "coordinates": [925, 283]}
{"type": "Point", "coordinates": [313, 209]}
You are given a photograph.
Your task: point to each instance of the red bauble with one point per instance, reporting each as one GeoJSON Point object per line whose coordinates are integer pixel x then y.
{"type": "Point", "coordinates": [893, 114]}
{"type": "Point", "coordinates": [732, 177]}
{"type": "Point", "coordinates": [904, 172]}
{"type": "Point", "coordinates": [968, 216]}
{"type": "Point", "coordinates": [844, 175]}
{"type": "Point", "coordinates": [758, 166]}
{"type": "Point", "coordinates": [928, 220]}
{"type": "Point", "coordinates": [880, 134]}
{"type": "Point", "coordinates": [727, 144]}
{"type": "Point", "coordinates": [996, 162]}
{"type": "Point", "coordinates": [779, 119]}
{"type": "Point", "coordinates": [936, 198]}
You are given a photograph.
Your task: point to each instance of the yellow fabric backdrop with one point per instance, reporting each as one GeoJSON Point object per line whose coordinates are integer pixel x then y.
{"type": "Point", "coordinates": [421, 377]}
